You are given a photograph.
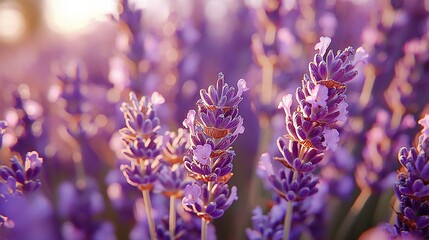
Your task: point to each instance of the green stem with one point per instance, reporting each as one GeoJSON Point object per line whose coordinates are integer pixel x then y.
{"type": "Point", "coordinates": [288, 221]}
{"type": "Point", "coordinates": [204, 225]}
{"type": "Point", "coordinates": [288, 216]}
{"type": "Point", "coordinates": [148, 208]}
{"type": "Point", "coordinates": [205, 222]}
{"type": "Point", "coordinates": [172, 224]}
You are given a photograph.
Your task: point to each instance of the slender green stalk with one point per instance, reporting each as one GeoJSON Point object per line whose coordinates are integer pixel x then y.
{"type": "Point", "coordinates": [288, 216]}
{"type": "Point", "coordinates": [204, 225]}
{"type": "Point", "coordinates": [205, 222]}
{"type": "Point", "coordinates": [288, 221]}
{"type": "Point", "coordinates": [172, 223]}
{"type": "Point", "coordinates": [148, 208]}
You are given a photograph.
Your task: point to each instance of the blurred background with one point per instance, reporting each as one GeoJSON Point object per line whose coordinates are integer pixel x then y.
{"type": "Point", "coordinates": [67, 65]}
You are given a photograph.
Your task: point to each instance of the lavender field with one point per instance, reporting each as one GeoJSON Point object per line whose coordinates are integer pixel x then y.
{"type": "Point", "coordinates": [214, 119]}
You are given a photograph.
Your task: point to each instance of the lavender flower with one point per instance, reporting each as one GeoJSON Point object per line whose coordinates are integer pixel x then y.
{"type": "Point", "coordinates": [311, 128]}
{"type": "Point", "coordinates": [376, 172]}
{"type": "Point", "coordinates": [78, 204]}
{"type": "Point", "coordinates": [321, 107]}
{"type": "Point", "coordinates": [411, 188]}
{"type": "Point", "coordinates": [16, 184]}
{"type": "Point", "coordinates": [213, 129]}
{"type": "Point", "coordinates": [21, 178]}
{"type": "Point", "coordinates": [196, 197]}
{"type": "Point", "coordinates": [142, 143]}
{"type": "Point", "coordinates": [142, 146]}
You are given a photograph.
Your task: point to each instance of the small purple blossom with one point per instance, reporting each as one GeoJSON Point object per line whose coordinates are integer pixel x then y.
{"type": "Point", "coordinates": [331, 139]}
{"type": "Point", "coordinates": [323, 45]}
{"type": "Point", "coordinates": [191, 195]}
{"type": "Point", "coordinates": [242, 87]}
{"type": "Point", "coordinates": [189, 122]}
{"type": "Point", "coordinates": [318, 96]}
{"type": "Point", "coordinates": [202, 153]}
{"type": "Point", "coordinates": [286, 103]}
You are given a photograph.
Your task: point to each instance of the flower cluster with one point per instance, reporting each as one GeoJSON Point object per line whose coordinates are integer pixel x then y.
{"type": "Point", "coordinates": [311, 127]}
{"type": "Point", "coordinates": [412, 189]}
{"type": "Point", "coordinates": [213, 129]}
{"type": "Point", "coordinates": [142, 143]}
{"type": "Point", "coordinates": [21, 178]}
{"type": "Point", "coordinates": [172, 176]}
{"type": "Point", "coordinates": [17, 181]}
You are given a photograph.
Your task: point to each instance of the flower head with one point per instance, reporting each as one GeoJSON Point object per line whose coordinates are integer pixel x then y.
{"type": "Point", "coordinates": [202, 153]}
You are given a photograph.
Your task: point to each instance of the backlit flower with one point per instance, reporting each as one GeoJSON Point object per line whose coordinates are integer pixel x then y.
{"type": "Point", "coordinates": [202, 153]}
{"type": "Point", "coordinates": [318, 96]}
{"type": "Point", "coordinates": [331, 139]}
{"type": "Point", "coordinates": [323, 45]}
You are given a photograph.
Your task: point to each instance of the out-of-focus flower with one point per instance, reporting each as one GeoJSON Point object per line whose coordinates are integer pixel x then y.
{"type": "Point", "coordinates": [21, 178]}
{"type": "Point", "coordinates": [79, 204]}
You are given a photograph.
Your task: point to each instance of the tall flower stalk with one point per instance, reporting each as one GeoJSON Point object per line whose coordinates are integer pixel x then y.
{"type": "Point", "coordinates": [142, 146]}
{"type": "Point", "coordinates": [213, 129]}
{"type": "Point", "coordinates": [311, 127]}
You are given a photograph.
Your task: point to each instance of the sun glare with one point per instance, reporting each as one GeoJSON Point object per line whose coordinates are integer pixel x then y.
{"type": "Point", "coordinates": [71, 17]}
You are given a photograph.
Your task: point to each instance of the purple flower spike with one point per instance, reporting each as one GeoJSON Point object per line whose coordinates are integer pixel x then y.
{"type": "Point", "coordinates": [311, 127]}
{"type": "Point", "coordinates": [213, 129]}
{"type": "Point", "coordinates": [412, 188]}
{"type": "Point", "coordinates": [142, 143]}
